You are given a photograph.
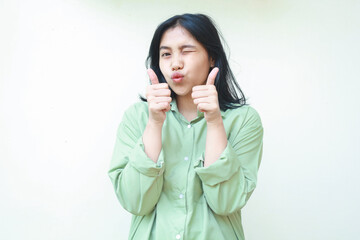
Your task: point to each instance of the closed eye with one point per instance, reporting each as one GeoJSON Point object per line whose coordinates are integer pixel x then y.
{"type": "Point", "coordinates": [188, 51]}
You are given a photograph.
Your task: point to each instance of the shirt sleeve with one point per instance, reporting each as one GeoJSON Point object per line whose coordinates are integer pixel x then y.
{"type": "Point", "coordinates": [137, 180]}
{"type": "Point", "coordinates": [229, 182]}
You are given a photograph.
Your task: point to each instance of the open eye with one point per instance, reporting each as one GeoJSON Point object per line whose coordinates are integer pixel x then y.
{"type": "Point", "coordinates": [165, 54]}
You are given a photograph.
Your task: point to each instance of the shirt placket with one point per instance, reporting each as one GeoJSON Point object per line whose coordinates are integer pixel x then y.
{"type": "Point", "coordinates": [189, 129]}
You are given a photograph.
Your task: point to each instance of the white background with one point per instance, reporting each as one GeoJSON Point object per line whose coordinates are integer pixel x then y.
{"type": "Point", "coordinates": [69, 69]}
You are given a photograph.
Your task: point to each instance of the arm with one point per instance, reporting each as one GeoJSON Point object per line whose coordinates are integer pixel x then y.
{"type": "Point", "coordinates": [137, 165]}
{"type": "Point", "coordinates": [137, 180]}
{"type": "Point", "coordinates": [231, 179]}
{"type": "Point", "coordinates": [206, 99]}
{"type": "Point", "coordinates": [216, 141]}
{"type": "Point", "coordinates": [158, 97]}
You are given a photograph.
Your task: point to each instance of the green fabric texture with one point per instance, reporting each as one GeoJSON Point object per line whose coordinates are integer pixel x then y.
{"type": "Point", "coordinates": [178, 198]}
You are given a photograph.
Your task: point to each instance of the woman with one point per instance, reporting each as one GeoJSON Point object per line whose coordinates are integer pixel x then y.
{"type": "Point", "coordinates": [186, 159]}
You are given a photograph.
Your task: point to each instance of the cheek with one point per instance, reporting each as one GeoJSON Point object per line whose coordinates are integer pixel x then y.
{"type": "Point", "coordinates": [161, 68]}
{"type": "Point", "coordinates": [202, 62]}
{"type": "Point", "coordinates": [203, 69]}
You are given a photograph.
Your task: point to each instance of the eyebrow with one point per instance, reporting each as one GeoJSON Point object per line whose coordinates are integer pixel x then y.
{"type": "Point", "coordinates": [182, 47]}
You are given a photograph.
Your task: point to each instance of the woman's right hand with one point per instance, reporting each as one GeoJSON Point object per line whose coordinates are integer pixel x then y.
{"type": "Point", "coordinates": [158, 98]}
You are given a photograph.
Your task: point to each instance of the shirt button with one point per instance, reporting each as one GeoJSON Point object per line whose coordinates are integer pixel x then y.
{"type": "Point", "coordinates": [189, 126]}
{"type": "Point", "coordinates": [181, 195]}
{"type": "Point", "coordinates": [178, 236]}
{"type": "Point", "coordinates": [186, 158]}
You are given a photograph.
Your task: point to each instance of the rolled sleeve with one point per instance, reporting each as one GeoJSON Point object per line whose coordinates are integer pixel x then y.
{"type": "Point", "coordinates": [221, 170]}
{"type": "Point", "coordinates": [229, 182]}
{"type": "Point", "coordinates": [137, 180]}
{"type": "Point", "coordinates": [143, 164]}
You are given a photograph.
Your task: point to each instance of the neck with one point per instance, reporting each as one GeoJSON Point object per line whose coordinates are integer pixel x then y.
{"type": "Point", "coordinates": [186, 107]}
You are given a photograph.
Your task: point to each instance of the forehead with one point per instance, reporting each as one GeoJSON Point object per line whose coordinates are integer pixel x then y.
{"type": "Point", "coordinates": [177, 35]}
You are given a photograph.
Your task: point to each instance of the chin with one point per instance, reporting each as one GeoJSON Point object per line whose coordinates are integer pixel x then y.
{"type": "Point", "coordinates": [180, 93]}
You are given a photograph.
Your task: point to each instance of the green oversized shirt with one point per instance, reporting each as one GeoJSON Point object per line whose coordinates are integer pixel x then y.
{"type": "Point", "coordinates": [178, 198]}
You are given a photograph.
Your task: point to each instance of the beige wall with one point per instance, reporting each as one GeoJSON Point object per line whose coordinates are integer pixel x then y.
{"type": "Point", "coordinates": [69, 69]}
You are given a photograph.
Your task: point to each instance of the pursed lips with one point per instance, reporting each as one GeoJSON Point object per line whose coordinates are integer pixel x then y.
{"type": "Point", "coordinates": [177, 77]}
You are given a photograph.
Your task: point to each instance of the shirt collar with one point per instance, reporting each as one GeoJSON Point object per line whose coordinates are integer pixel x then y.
{"type": "Point", "coordinates": [174, 108]}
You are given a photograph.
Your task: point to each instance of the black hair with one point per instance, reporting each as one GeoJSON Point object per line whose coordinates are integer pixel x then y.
{"type": "Point", "coordinates": [203, 29]}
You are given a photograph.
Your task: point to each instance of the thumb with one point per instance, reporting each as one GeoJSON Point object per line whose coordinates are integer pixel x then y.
{"type": "Point", "coordinates": [152, 75]}
{"type": "Point", "coordinates": [212, 75]}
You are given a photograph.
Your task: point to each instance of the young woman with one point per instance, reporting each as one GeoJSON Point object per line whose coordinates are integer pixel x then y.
{"type": "Point", "coordinates": [185, 160]}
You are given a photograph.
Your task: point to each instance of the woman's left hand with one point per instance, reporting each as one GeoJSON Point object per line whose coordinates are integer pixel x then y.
{"type": "Point", "coordinates": [206, 99]}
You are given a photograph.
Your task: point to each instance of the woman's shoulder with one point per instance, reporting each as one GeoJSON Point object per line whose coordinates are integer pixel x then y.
{"type": "Point", "coordinates": [244, 114]}
{"type": "Point", "coordinates": [244, 111]}
{"type": "Point", "coordinates": [137, 112]}
{"type": "Point", "coordinates": [137, 108]}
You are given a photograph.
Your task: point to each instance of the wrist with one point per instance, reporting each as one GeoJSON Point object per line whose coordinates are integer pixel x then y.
{"type": "Point", "coordinates": [155, 124]}
{"type": "Point", "coordinates": [216, 122]}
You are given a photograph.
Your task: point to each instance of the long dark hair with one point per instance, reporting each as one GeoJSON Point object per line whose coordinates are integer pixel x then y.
{"type": "Point", "coordinates": [204, 31]}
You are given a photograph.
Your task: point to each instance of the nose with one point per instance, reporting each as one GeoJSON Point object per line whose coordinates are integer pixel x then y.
{"type": "Point", "coordinates": [177, 63]}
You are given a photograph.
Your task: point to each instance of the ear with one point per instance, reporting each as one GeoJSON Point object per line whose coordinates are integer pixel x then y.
{"type": "Point", "coordinates": [212, 62]}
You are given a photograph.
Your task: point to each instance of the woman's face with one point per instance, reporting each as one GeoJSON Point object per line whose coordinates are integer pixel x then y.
{"type": "Point", "coordinates": [184, 62]}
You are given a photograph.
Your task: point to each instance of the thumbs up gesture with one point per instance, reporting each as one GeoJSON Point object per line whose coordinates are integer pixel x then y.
{"type": "Point", "coordinates": [206, 98]}
{"type": "Point", "coordinates": [158, 98]}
